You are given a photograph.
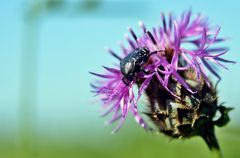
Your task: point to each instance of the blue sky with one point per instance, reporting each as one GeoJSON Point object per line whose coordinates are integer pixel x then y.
{"type": "Point", "coordinates": [71, 45]}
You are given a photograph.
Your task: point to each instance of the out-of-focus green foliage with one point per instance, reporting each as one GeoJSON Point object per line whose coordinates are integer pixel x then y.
{"type": "Point", "coordinates": [126, 145]}
{"type": "Point", "coordinates": [90, 4]}
{"type": "Point", "coordinates": [33, 9]}
{"type": "Point", "coordinates": [54, 4]}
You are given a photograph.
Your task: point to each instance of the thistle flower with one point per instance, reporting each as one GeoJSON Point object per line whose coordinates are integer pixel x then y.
{"type": "Point", "coordinates": [169, 64]}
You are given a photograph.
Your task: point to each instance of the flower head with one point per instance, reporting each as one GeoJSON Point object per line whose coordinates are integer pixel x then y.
{"type": "Point", "coordinates": [175, 47]}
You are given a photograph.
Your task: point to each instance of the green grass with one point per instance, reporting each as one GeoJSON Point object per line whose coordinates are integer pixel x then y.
{"type": "Point", "coordinates": [127, 143]}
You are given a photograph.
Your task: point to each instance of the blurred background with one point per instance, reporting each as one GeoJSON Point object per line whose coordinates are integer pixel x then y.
{"type": "Point", "coordinates": [47, 48]}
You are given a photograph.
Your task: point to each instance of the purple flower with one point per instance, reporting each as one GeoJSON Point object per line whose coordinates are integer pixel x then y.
{"type": "Point", "coordinates": [178, 45]}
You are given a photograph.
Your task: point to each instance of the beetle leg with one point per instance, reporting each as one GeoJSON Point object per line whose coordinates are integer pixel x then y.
{"type": "Point", "coordinates": [126, 82]}
{"type": "Point", "coordinates": [158, 51]}
{"type": "Point", "coordinates": [144, 71]}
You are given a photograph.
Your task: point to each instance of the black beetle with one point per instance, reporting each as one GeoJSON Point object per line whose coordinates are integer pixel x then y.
{"type": "Point", "coordinates": [133, 63]}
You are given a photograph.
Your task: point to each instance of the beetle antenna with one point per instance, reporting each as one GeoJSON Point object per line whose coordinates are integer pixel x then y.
{"type": "Point", "coordinates": [133, 34]}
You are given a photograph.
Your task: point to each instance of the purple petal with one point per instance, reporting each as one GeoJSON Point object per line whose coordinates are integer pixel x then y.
{"type": "Point", "coordinates": [176, 37]}
{"type": "Point", "coordinates": [216, 55]}
{"type": "Point", "coordinates": [184, 68]}
{"type": "Point", "coordinates": [94, 86]}
{"type": "Point", "coordinates": [115, 106]}
{"type": "Point", "coordinates": [131, 43]}
{"type": "Point", "coordinates": [161, 81]}
{"type": "Point", "coordinates": [101, 75]}
{"type": "Point", "coordinates": [186, 58]}
{"type": "Point", "coordinates": [211, 69]}
{"type": "Point", "coordinates": [119, 125]}
{"type": "Point", "coordinates": [217, 63]}
{"type": "Point", "coordinates": [203, 73]}
{"type": "Point", "coordinates": [125, 51]}
{"type": "Point", "coordinates": [187, 18]}
{"type": "Point", "coordinates": [224, 60]}
{"type": "Point", "coordinates": [174, 62]}
{"type": "Point", "coordinates": [182, 82]}
{"type": "Point", "coordinates": [113, 53]}
{"type": "Point", "coordinates": [166, 80]}
{"type": "Point", "coordinates": [124, 107]}
{"type": "Point", "coordinates": [204, 39]}
{"type": "Point", "coordinates": [212, 50]}
{"type": "Point", "coordinates": [114, 119]}
{"type": "Point", "coordinates": [138, 118]}
{"type": "Point", "coordinates": [214, 38]}
{"type": "Point", "coordinates": [164, 22]}
{"type": "Point", "coordinates": [133, 34]}
{"type": "Point", "coordinates": [170, 21]}
{"type": "Point", "coordinates": [141, 24]}
{"type": "Point", "coordinates": [115, 71]}
{"type": "Point", "coordinates": [144, 86]}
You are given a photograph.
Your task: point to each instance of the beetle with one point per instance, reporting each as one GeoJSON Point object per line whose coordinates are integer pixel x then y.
{"type": "Point", "coordinates": [133, 63]}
